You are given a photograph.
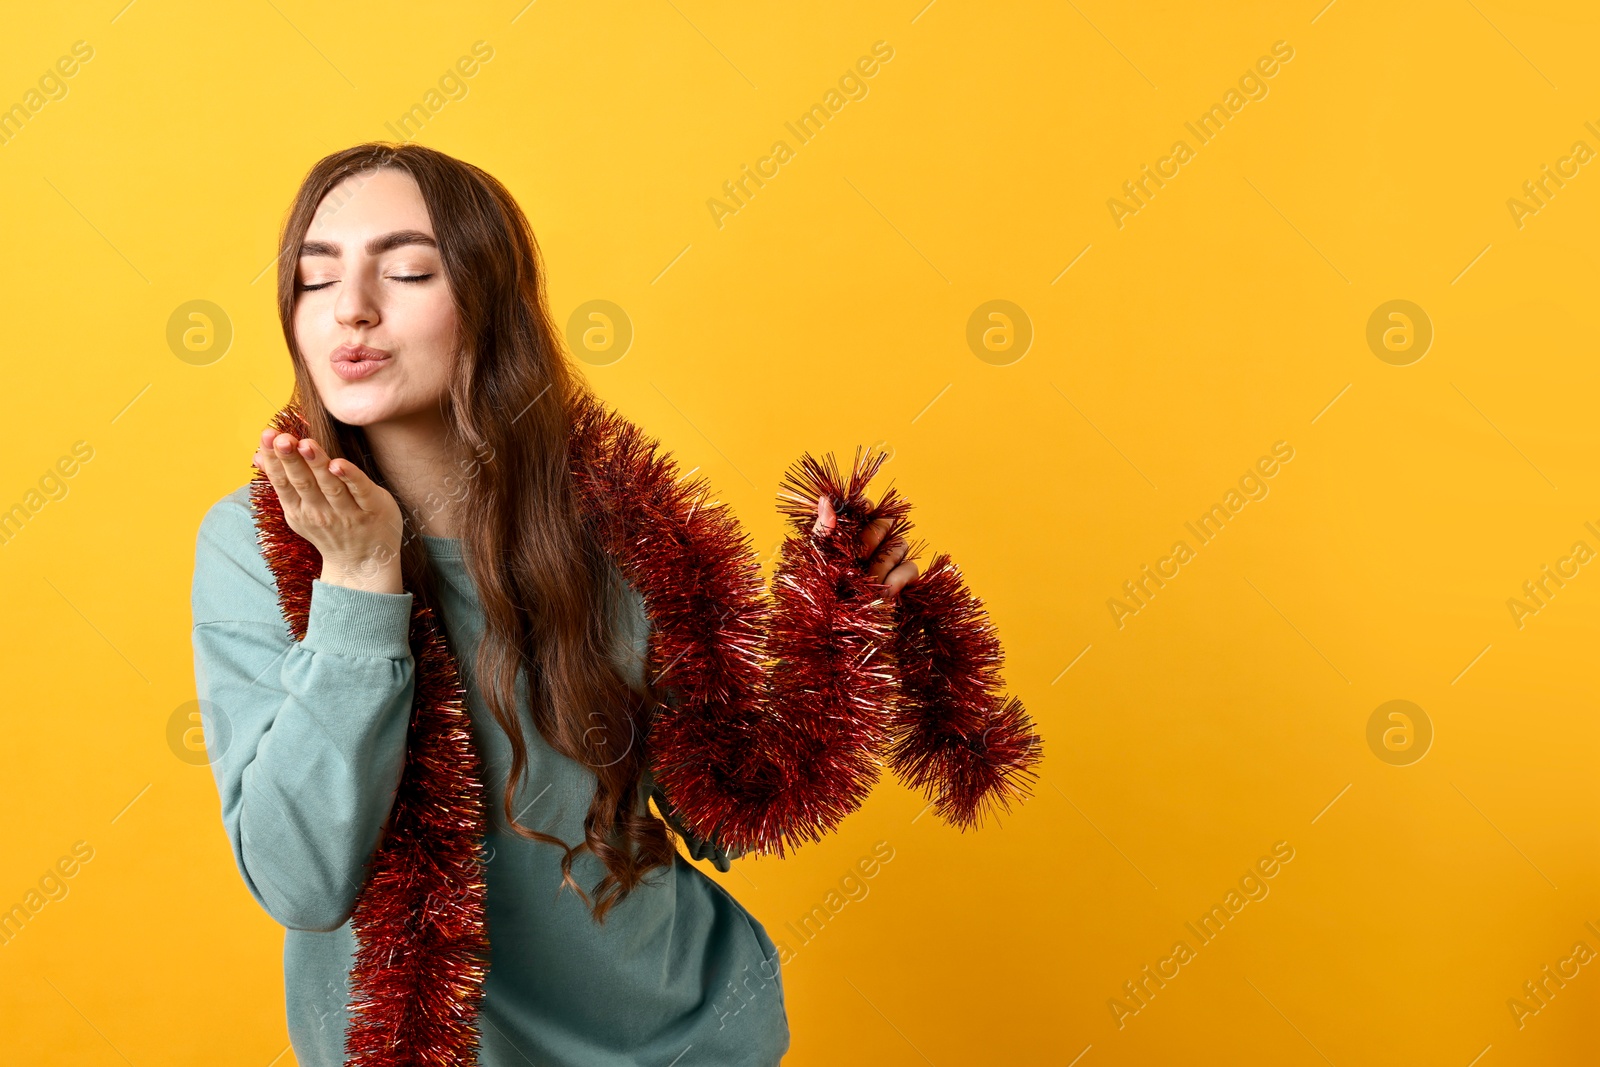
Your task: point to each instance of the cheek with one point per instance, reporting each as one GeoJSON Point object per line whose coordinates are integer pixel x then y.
{"type": "Point", "coordinates": [439, 319]}
{"type": "Point", "coordinates": [311, 332]}
{"type": "Point", "coordinates": [430, 330]}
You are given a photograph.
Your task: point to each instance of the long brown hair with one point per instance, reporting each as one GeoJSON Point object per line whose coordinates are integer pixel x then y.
{"type": "Point", "coordinates": [544, 581]}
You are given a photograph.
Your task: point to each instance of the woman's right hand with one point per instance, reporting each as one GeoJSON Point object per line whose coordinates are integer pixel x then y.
{"type": "Point", "coordinates": [353, 521]}
{"type": "Point", "coordinates": [888, 563]}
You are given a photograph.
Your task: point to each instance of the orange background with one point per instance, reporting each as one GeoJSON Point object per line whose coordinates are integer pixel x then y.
{"type": "Point", "coordinates": [1166, 355]}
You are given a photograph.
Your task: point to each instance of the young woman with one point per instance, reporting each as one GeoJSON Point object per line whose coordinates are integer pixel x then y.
{"type": "Point", "coordinates": [436, 392]}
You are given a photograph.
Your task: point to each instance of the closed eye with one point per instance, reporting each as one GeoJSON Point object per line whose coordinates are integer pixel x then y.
{"type": "Point", "coordinates": [413, 278]}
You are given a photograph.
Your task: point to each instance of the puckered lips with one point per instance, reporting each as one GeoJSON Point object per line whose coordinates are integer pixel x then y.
{"type": "Point", "coordinates": [354, 362]}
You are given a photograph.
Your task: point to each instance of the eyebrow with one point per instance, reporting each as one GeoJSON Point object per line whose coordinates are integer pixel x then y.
{"type": "Point", "coordinates": [377, 246]}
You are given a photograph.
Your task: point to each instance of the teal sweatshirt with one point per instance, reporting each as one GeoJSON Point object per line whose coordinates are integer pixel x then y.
{"type": "Point", "coordinates": [307, 740]}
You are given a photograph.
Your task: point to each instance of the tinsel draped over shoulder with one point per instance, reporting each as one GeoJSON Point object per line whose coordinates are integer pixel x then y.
{"type": "Point", "coordinates": [781, 707]}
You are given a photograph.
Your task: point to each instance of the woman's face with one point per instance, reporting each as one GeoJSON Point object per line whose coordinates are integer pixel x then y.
{"type": "Point", "coordinates": [370, 283]}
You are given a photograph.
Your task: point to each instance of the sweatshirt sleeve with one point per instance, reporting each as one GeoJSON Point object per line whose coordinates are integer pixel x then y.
{"type": "Point", "coordinates": [306, 738]}
{"type": "Point", "coordinates": [634, 627]}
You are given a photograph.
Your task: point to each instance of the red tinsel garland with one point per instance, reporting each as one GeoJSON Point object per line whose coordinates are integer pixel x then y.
{"type": "Point", "coordinates": [422, 950]}
{"type": "Point", "coordinates": [780, 709]}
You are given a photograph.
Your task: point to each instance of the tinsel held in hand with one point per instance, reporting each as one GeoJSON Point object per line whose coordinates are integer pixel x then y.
{"type": "Point", "coordinates": [787, 705]}
{"type": "Point", "coordinates": [780, 709]}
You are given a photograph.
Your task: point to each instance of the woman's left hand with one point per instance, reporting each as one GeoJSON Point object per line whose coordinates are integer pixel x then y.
{"type": "Point", "coordinates": [889, 564]}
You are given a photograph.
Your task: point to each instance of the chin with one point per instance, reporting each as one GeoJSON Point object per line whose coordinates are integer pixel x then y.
{"type": "Point", "coordinates": [354, 410]}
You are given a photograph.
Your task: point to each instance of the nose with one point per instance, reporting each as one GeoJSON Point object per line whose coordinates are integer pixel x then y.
{"type": "Point", "coordinates": [357, 304]}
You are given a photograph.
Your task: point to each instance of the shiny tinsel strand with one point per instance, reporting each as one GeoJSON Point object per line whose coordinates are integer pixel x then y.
{"type": "Point", "coordinates": [779, 705]}
{"type": "Point", "coordinates": [419, 917]}
{"type": "Point", "coordinates": [781, 709]}
{"type": "Point", "coordinates": [957, 736]}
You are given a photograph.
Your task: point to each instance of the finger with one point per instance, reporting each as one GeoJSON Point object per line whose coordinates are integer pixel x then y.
{"type": "Point", "coordinates": [363, 490]}
{"type": "Point", "coordinates": [873, 536]}
{"type": "Point", "coordinates": [825, 516]}
{"type": "Point", "coordinates": [285, 448]}
{"type": "Point", "coordinates": [332, 488]}
{"type": "Point", "coordinates": [886, 560]}
{"type": "Point", "coordinates": [902, 576]}
{"type": "Point", "coordinates": [270, 462]}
